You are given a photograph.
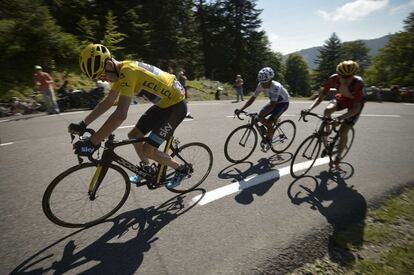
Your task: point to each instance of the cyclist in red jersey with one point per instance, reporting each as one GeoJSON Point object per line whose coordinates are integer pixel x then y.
{"type": "Point", "coordinates": [349, 95]}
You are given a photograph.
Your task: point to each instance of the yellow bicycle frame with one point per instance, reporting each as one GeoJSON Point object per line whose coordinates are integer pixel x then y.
{"type": "Point", "coordinates": [162, 168]}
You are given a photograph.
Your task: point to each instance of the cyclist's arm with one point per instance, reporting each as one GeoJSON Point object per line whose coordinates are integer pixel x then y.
{"type": "Point", "coordinates": [102, 107]}
{"type": "Point", "coordinates": [322, 94]}
{"type": "Point", "coordinates": [248, 103]}
{"type": "Point", "coordinates": [114, 120]}
{"type": "Point", "coordinates": [318, 100]}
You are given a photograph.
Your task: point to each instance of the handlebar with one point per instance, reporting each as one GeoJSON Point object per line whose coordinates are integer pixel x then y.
{"type": "Point", "coordinates": [304, 113]}
{"type": "Point", "coordinates": [246, 113]}
{"type": "Point", "coordinates": [81, 136]}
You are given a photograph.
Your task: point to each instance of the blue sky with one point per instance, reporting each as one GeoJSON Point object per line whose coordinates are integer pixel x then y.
{"type": "Point", "coordinates": [293, 25]}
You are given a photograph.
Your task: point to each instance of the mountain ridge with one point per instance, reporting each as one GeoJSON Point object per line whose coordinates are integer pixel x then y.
{"type": "Point", "coordinates": [310, 54]}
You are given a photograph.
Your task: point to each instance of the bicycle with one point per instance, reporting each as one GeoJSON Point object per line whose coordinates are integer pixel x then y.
{"type": "Point", "coordinates": [308, 150]}
{"type": "Point", "coordinates": [89, 193]}
{"type": "Point", "coordinates": [245, 137]}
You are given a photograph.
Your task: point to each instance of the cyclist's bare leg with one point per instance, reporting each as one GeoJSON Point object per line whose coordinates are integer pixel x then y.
{"type": "Point", "coordinates": [146, 151]}
{"type": "Point", "coordinates": [153, 153]}
{"type": "Point", "coordinates": [271, 130]}
{"type": "Point", "coordinates": [135, 133]}
{"type": "Point", "coordinates": [343, 137]}
{"type": "Point", "coordinates": [328, 113]}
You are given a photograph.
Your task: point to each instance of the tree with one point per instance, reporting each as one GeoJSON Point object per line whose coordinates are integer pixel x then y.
{"type": "Point", "coordinates": [394, 64]}
{"type": "Point", "coordinates": [327, 60]}
{"type": "Point", "coordinates": [297, 75]}
{"type": "Point", "coordinates": [29, 36]}
{"type": "Point", "coordinates": [112, 37]}
{"type": "Point", "coordinates": [357, 51]}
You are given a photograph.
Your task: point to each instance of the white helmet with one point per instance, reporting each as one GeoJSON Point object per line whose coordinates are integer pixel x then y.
{"type": "Point", "coordinates": [266, 74]}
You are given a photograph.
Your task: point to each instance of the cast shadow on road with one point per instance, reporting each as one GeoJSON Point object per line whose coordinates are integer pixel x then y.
{"type": "Point", "coordinates": [343, 207]}
{"type": "Point", "coordinates": [108, 254]}
{"type": "Point", "coordinates": [241, 171]}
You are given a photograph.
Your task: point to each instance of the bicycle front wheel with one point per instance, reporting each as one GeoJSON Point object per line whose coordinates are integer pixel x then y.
{"type": "Point", "coordinates": [240, 144]}
{"type": "Point", "coordinates": [68, 203]}
{"type": "Point", "coordinates": [199, 158]}
{"type": "Point", "coordinates": [283, 137]}
{"type": "Point", "coordinates": [305, 156]}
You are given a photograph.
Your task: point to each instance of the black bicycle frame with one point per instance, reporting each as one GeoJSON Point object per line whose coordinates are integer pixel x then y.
{"type": "Point", "coordinates": [110, 156]}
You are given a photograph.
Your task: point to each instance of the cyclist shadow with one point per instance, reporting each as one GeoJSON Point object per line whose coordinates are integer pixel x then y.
{"type": "Point", "coordinates": [112, 255]}
{"type": "Point", "coordinates": [244, 174]}
{"type": "Point", "coordinates": [343, 207]}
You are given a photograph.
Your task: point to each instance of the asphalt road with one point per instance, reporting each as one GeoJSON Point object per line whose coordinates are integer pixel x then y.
{"type": "Point", "coordinates": [260, 229]}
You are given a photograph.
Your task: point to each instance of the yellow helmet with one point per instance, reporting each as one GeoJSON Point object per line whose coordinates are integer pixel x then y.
{"type": "Point", "coordinates": [347, 68]}
{"type": "Point", "coordinates": [92, 60]}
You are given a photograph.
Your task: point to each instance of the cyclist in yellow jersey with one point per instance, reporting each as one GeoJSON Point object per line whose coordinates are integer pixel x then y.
{"type": "Point", "coordinates": [132, 78]}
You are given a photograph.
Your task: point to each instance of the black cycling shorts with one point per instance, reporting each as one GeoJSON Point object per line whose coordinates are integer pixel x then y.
{"type": "Point", "coordinates": [279, 109]}
{"type": "Point", "coordinates": [161, 122]}
{"type": "Point", "coordinates": [350, 120]}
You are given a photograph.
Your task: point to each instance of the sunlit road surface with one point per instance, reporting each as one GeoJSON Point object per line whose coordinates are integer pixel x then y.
{"type": "Point", "coordinates": [248, 217]}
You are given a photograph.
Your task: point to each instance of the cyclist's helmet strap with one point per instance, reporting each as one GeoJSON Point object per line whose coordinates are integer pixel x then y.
{"type": "Point", "coordinates": [92, 60]}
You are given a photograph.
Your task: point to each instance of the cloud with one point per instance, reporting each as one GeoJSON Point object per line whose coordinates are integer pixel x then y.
{"type": "Point", "coordinates": [353, 10]}
{"type": "Point", "coordinates": [402, 8]}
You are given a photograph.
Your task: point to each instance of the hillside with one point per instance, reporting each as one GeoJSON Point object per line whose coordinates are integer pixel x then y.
{"type": "Point", "coordinates": [374, 45]}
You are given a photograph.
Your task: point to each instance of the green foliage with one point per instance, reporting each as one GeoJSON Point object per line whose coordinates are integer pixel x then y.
{"type": "Point", "coordinates": [394, 64]}
{"type": "Point", "coordinates": [216, 39]}
{"type": "Point", "coordinates": [357, 51]}
{"type": "Point", "coordinates": [30, 36]}
{"type": "Point", "coordinates": [297, 75]}
{"type": "Point", "coordinates": [112, 37]}
{"type": "Point", "coordinates": [329, 56]}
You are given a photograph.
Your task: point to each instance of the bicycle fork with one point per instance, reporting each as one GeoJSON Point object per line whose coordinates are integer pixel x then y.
{"type": "Point", "coordinates": [96, 181]}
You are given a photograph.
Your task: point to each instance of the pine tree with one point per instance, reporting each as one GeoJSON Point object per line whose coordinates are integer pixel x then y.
{"type": "Point", "coordinates": [297, 75]}
{"type": "Point", "coordinates": [327, 60]}
{"type": "Point", "coordinates": [112, 37]}
{"type": "Point", "coordinates": [394, 64]}
{"type": "Point", "coordinates": [357, 51]}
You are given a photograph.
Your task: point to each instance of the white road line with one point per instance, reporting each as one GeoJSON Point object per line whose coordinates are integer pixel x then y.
{"type": "Point", "coordinates": [7, 143]}
{"type": "Point", "coordinates": [409, 104]}
{"type": "Point", "coordinates": [251, 181]}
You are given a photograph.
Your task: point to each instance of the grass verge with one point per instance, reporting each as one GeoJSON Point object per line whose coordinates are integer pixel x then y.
{"type": "Point", "coordinates": [388, 243]}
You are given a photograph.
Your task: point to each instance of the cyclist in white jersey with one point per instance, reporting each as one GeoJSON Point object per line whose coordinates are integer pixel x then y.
{"type": "Point", "coordinates": [279, 99]}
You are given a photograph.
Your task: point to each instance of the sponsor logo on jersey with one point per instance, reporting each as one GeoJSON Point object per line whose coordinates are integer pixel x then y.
{"type": "Point", "coordinates": [158, 89]}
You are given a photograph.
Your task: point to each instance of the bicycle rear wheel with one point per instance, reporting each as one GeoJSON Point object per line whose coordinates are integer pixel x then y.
{"type": "Point", "coordinates": [305, 156]}
{"type": "Point", "coordinates": [66, 201]}
{"type": "Point", "coordinates": [199, 158]}
{"type": "Point", "coordinates": [240, 144]}
{"type": "Point", "coordinates": [283, 137]}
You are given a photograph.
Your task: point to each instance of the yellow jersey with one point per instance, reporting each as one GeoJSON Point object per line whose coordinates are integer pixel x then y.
{"type": "Point", "coordinates": [150, 82]}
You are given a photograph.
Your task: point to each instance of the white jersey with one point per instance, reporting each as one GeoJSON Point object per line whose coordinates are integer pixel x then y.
{"type": "Point", "coordinates": [276, 92]}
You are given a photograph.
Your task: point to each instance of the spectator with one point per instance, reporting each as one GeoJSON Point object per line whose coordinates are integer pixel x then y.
{"type": "Point", "coordinates": [239, 87]}
{"type": "Point", "coordinates": [45, 84]}
{"type": "Point", "coordinates": [182, 78]}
